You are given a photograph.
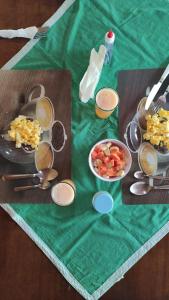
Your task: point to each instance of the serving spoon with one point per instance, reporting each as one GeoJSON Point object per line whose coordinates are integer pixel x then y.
{"type": "Point", "coordinates": [47, 174]}
{"type": "Point", "coordinates": [142, 188]}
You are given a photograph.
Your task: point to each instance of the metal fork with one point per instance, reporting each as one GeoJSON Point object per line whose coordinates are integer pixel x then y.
{"type": "Point", "coordinates": [155, 106]}
{"type": "Point", "coordinates": [160, 101]}
{"type": "Point", "coordinates": [42, 32]}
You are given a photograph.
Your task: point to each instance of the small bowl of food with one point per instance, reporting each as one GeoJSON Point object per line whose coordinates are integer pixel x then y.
{"type": "Point", "coordinates": [110, 160]}
{"type": "Point", "coordinates": [25, 132]}
{"type": "Point", "coordinates": [157, 132]}
{"type": "Point", "coordinates": [21, 140]}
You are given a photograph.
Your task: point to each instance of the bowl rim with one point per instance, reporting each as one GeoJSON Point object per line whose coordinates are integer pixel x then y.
{"type": "Point", "coordinates": [115, 141]}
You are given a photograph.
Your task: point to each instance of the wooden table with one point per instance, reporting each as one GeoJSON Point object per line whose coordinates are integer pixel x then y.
{"type": "Point", "coordinates": [25, 272]}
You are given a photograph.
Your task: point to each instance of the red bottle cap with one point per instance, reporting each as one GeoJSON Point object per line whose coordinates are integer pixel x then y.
{"type": "Point", "coordinates": [110, 34]}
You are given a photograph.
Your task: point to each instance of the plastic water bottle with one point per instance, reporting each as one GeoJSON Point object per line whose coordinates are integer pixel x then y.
{"type": "Point", "coordinates": [109, 42]}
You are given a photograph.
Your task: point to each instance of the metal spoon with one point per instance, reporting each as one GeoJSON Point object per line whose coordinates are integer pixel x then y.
{"type": "Point", "coordinates": [44, 186]}
{"type": "Point", "coordinates": [141, 175]}
{"type": "Point", "coordinates": [142, 188]}
{"type": "Point", "coordinates": [47, 174]}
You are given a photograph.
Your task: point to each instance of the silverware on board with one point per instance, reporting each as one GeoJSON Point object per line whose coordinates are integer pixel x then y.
{"type": "Point", "coordinates": [156, 87]}
{"type": "Point", "coordinates": [44, 186]}
{"type": "Point", "coordinates": [141, 175]}
{"type": "Point", "coordinates": [142, 188]}
{"type": "Point", "coordinates": [48, 174]}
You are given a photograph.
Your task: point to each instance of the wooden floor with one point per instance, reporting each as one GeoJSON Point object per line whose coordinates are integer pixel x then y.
{"type": "Point", "coordinates": [25, 272]}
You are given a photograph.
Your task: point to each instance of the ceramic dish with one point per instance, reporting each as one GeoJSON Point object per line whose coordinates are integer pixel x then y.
{"type": "Point", "coordinates": [126, 157]}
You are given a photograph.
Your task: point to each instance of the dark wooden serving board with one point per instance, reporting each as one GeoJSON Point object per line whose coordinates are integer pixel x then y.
{"type": "Point", "coordinates": [132, 87]}
{"type": "Point", "coordinates": [15, 86]}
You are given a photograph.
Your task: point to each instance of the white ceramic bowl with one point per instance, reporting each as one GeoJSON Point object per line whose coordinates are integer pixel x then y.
{"type": "Point", "coordinates": [128, 159]}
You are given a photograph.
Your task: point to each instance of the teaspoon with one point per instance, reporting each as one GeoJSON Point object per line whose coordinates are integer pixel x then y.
{"type": "Point", "coordinates": [141, 175]}
{"type": "Point", "coordinates": [43, 186]}
{"type": "Point", "coordinates": [142, 188]}
{"type": "Point", "coordinates": [47, 174]}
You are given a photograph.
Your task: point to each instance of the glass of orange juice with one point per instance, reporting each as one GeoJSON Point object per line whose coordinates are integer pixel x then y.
{"type": "Point", "coordinates": [106, 101]}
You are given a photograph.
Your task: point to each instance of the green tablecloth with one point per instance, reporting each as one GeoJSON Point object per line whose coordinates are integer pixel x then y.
{"type": "Point", "coordinates": [94, 251]}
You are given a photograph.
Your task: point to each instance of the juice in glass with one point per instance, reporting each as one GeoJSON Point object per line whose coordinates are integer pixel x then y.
{"type": "Point", "coordinates": [106, 101]}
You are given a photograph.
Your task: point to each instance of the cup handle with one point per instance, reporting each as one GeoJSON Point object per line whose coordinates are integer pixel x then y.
{"type": "Point", "coordinates": [127, 139]}
{"type": "Point", "coordinates": [64, 134]}
{"type": "Point", "coordinates": [42, 91]}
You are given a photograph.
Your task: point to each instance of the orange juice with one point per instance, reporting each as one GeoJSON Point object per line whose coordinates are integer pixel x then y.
{"type": "Point", "coordinates": [106, 101]}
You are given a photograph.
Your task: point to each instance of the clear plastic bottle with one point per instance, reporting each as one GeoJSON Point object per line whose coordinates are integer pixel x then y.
{"type": "Point", "coordinates": [109, 42]}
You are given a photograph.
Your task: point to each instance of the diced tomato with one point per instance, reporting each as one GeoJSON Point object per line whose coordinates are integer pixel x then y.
{"type": "Point", "coordinates": [98, 148]}
{"type": "Point", "coordinates": [111, 172]}
{"type": "Point", "coordinates": [115, 156]}
{"type": "Point", "coordinates": [118, 163]}
{"type": "Point", "coordinates": [115, 163]}
{"type": "Point", "coordinates": [102, 170]}
{"type": "Point", "coordinates": [100, 155]}
{"type": "Point", "coordinates": [121, 155]}
{"type": "Point", "coordinates": [94, 154]}
{"type": "Point", "coordinates": [112, 161]}
{"type": "Point", "coordinates": [106, 159]}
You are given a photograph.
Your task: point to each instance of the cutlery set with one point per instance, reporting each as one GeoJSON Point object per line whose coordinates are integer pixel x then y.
{"type": "Point", "coordinates": [45, 176]}
{"type": "Point", "coordinates": [161, 101]}
{"type": "Point", "coordinates": [156, 88]}
{"type": "Point", "coordinates": [140, 188]}
{"type": "Point", "coordinates": [141, 175]}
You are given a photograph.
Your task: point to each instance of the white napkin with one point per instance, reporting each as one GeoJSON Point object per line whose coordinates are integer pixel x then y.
{"type": "Point", "coordinates": [91, 77]}
{"type": "Point", "coordinates": [28, 33]}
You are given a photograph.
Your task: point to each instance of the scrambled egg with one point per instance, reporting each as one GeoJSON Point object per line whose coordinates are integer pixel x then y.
{"type": "Point", "coordinates": [158, 128]}
{"type": "Point", "coordinates": [25, 131]}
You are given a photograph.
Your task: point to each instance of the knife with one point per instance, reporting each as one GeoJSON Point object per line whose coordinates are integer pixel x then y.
{"type": "Point", "coordinates": [155, 88]}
